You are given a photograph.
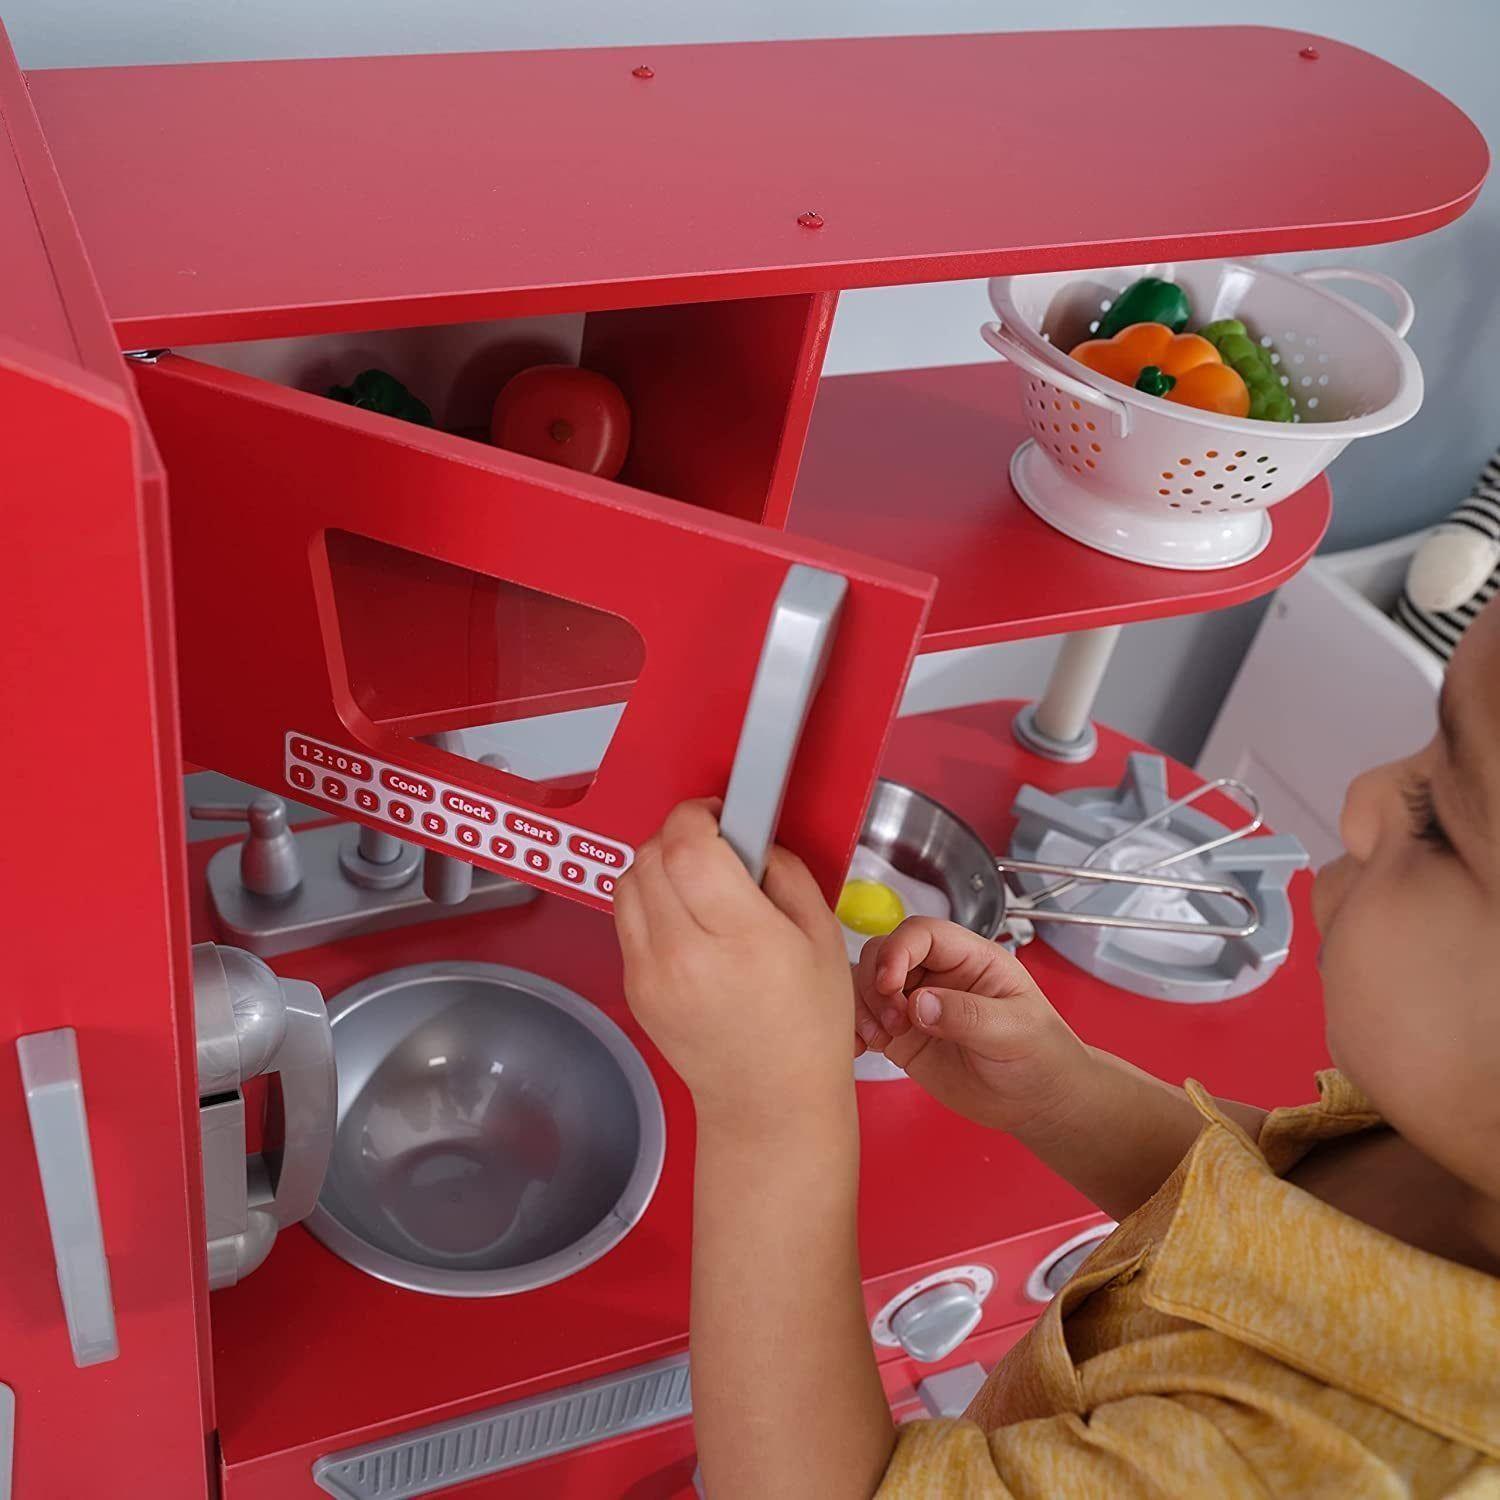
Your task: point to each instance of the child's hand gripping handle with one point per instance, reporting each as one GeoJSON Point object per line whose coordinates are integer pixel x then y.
{"type": "Point", "coordinates": [787, 677]}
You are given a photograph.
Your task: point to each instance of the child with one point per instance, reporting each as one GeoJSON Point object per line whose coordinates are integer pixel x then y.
{"type": "Point", "coordinates": [1305, 1302]}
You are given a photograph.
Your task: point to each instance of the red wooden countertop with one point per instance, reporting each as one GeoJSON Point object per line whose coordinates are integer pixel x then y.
{"type": "Point", "coordinates": [309, 1351]}
{"type": "Point", "coordinates": [240, 200]}
{"type": "Point", "coordinates": [913, 467]}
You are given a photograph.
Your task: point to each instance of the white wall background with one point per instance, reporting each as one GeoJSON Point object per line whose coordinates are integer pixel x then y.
{"type": "Point", "coordinates": [1169, 676]}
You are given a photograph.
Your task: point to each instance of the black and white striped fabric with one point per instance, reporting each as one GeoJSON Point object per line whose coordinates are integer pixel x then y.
{"type": "Point", "coordinates": [1440, 631]}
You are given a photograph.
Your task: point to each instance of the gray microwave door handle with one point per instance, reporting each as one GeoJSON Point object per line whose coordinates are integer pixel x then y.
{"type": "Point", "coordinates": [309, 1102]}
{"type": "Point", "coordinates": [792, 660]}
{"type": "Point", "coordinates": [53, 1084]}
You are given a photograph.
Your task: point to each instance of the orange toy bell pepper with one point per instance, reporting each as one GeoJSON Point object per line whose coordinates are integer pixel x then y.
{"type": "Point", "coordinates": [1214, 388]}
{"type": "Point", "coordinates": [1182, 367]}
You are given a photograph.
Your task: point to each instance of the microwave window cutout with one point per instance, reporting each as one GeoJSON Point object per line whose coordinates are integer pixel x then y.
{"type": "Point", "coordinates": [485, 669]}
{"type": "Point", "coordinates": [496, 677]}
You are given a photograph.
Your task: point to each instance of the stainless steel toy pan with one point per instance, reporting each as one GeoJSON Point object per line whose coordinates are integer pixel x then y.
{"type": "Point", "coordinates": [921, 838]}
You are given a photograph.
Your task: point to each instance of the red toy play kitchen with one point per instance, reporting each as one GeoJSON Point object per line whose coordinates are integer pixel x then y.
{"type": "Point", "coordinates": [326, 601]}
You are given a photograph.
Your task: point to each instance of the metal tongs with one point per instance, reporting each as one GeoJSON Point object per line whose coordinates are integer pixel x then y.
{"type": "Point", "coordinates": [1024, 905]}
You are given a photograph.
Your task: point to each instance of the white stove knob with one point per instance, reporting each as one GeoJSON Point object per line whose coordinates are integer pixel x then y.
{"type": "Point", "coordinates": [935, 1322]}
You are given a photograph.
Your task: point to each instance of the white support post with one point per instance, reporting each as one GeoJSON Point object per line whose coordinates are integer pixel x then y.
{"type": "Point", "coordinates": [1059, 727]}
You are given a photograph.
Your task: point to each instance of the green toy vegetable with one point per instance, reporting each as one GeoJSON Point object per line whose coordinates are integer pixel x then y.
{"type": "Point", "coordinates": [1149, 300]}
{"type": "Point", "coordinates": [374, 390]}
{"type": "Point", "coordinates": [1269, 401]}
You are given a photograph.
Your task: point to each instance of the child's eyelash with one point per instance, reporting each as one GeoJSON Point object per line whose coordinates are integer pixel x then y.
{"type": "Point", "coordinates": [1424, 818]}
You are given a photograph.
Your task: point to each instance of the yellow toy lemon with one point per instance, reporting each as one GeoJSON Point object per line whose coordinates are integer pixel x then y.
{"type": "Point", "coordinates": [870, 907]}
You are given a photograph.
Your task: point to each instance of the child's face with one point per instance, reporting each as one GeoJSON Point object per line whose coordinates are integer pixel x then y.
{"type": "Point", "coordinates": [1410, 917]}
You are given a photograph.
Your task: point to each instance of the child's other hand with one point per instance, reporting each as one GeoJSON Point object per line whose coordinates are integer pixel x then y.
{"type": "Point", "coordinates": [745, 990]}
{"type": "Point", "coordinates": [964, 1019]}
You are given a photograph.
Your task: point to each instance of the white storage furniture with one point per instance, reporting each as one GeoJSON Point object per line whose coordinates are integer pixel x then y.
{"type": "Point", "coordinates": [1330, 687]}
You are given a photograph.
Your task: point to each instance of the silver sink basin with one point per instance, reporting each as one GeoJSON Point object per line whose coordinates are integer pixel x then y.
{"type": "Point", "coordinates": [496, 1131]}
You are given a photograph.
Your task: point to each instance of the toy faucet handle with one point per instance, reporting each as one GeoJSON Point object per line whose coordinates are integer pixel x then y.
{"type": "Point", "coordinates": [266, 814]}
{"type": "Point", "coordinates": [270, 864]}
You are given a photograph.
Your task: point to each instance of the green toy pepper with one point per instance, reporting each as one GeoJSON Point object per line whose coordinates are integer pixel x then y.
{"type": "Point", "coordinates": [1149, 300]}
{"type": "Point", "coordinates": [374, 390]}
{"type": "Point", "coordinates": [1269, 401]}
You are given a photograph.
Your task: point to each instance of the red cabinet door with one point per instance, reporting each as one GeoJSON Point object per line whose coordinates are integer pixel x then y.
{"type": "Point", "coordinates": [349, 586]}
{"type": "Point", "coordinates": [92, 886]}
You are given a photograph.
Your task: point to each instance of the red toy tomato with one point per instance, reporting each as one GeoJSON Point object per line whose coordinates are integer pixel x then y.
{"type": "Point", "coordinates": [577, 418]}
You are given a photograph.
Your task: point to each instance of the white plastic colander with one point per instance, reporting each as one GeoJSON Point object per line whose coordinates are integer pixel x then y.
{"type": "Point", "coordinates": [1155, 482]}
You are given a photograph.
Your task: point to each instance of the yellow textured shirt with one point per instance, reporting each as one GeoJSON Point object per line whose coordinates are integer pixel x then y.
{"type": "Point", "coordinates": [1237, 1337]}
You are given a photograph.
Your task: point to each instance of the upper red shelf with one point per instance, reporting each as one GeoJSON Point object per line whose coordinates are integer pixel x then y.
{"type": "Point", "coordinates": [913, 467]}
{"type": "Point", "coordinates": [242, 200]}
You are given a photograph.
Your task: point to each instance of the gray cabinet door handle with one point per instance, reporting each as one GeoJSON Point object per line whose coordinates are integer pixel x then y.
{"type": "Point", "coordinates": [791, 665]}
{"type": "Point", "coordinates": [7, 1439]}
{"type": "Point", "coordinates": [60, 1133]}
